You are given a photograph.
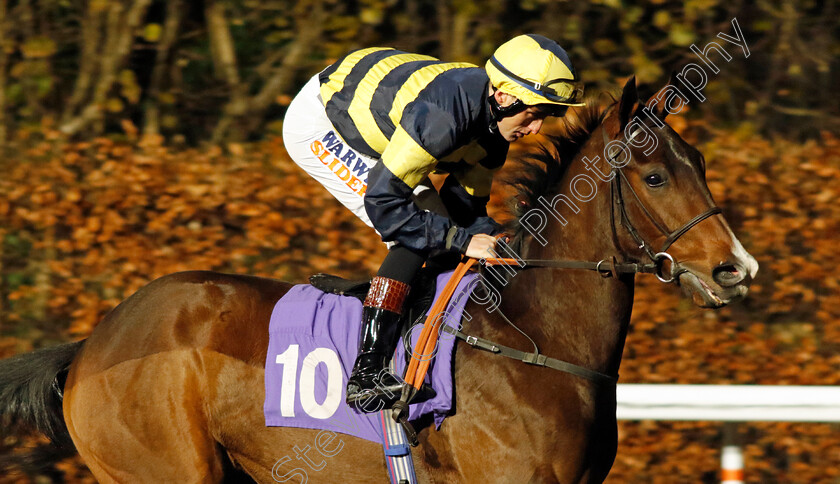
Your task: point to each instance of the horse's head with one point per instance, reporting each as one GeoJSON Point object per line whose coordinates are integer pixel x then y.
{"type": "Point", "coordinates": [662, 205]}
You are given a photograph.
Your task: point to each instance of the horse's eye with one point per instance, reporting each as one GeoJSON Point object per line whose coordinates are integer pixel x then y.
{"type": "Point", "coordinates": [654, 180]}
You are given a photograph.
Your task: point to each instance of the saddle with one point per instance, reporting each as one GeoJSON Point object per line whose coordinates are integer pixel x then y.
{"type": "Point", "coordinates": [331, 284]}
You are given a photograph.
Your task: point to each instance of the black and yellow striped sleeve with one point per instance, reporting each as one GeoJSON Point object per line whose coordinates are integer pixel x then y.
{"type": "Point", "coordinates": [472, 168]}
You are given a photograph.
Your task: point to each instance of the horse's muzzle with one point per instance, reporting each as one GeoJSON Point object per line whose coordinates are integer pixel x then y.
{"type": "Point", "coordinates": [729, 274]}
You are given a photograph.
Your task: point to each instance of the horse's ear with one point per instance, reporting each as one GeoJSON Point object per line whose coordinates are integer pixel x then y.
{"type": "Point", "coordinates": [659, 107]}
{"type": "Point", "coordinates": [629, 98]}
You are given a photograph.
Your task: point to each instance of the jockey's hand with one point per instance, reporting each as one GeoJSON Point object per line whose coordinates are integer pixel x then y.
{"type": "Point", "coordinates": [480, 246]}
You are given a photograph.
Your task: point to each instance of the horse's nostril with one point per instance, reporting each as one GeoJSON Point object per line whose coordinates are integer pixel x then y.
{"type": "Point", "coordinates": [728, 275]}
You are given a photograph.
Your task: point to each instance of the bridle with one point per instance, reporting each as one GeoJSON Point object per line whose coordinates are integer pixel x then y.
{"type": "Point", "coordinates": [658, 257]}
{"type": "Point", "coordinates": [611, 267]}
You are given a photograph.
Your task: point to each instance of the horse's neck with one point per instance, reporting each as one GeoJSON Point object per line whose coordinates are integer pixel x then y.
{"type": "Point", "coordinates": [577, 315]}
{"type": "Point", "coordinates": [572, 315]}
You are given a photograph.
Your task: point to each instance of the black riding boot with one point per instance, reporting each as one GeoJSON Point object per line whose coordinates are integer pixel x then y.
{"type": "Point", "coordinates": [371, 389]}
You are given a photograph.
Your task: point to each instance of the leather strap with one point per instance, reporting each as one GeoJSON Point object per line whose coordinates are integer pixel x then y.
{"type": "Point", "coordinates": [604, 267]}
{"type": "Point", "coordinates": [536, 359]}
{"type": "Point", "coordinates": [685, 228]}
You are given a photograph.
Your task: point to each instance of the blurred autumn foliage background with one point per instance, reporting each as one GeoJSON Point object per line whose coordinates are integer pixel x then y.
{"type": "Point", "coordinates": [141, 137]}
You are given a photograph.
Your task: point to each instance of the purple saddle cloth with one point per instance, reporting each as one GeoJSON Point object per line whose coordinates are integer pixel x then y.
{"type": "Point", "coordinates": [313, 341]}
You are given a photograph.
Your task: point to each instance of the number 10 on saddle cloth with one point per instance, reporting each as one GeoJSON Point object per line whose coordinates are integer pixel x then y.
{"type": "Point", "coordinates": [311, 350]}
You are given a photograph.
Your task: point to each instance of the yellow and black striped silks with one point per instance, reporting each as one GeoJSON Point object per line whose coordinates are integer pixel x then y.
{"type": "Point", "coordinates": [418, 115]}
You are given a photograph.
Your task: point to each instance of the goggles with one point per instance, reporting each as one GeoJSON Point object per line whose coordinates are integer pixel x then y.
{"type": "Point", "coordinates": [552, 110]}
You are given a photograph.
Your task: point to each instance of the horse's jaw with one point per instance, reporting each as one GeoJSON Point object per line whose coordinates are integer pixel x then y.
{"type": "Point", "coordinates": [708, 294]}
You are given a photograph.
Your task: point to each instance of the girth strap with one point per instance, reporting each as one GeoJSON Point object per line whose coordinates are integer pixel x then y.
{"type": "Point", "coordinates": [535, 359]}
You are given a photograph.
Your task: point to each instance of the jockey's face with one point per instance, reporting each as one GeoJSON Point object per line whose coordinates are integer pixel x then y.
{"type": "Point", "coordinates": [521, 124]}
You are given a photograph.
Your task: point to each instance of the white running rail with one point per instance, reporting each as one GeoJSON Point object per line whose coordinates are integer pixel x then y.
{"type": "Point", "coordinates": [730, 404]}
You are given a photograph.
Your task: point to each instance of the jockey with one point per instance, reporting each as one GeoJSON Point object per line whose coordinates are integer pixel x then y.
{"type": "Point", "coordinates": [371, 128]}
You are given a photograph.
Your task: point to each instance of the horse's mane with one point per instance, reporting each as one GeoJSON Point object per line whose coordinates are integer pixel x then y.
{"type": "Point", "coordinates": [542, 169]}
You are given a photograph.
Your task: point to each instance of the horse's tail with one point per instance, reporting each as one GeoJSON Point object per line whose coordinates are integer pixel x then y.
{"type": "Point", "coordinates": [32, 389]}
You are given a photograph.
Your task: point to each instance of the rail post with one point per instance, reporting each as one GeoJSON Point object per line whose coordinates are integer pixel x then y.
{"type": "Point", "coordinates": [731, 456]}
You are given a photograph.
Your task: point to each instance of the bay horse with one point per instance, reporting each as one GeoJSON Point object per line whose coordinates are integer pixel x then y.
{"type": "Point", "coordinates": [169, 386]}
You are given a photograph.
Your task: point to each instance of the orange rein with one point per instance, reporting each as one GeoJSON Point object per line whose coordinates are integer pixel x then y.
{"type": "Point", "coordinates": [422, 355]}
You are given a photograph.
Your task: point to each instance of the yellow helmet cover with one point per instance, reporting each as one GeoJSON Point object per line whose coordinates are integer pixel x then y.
{"type": "Point", "coordinates": [535, 70]}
